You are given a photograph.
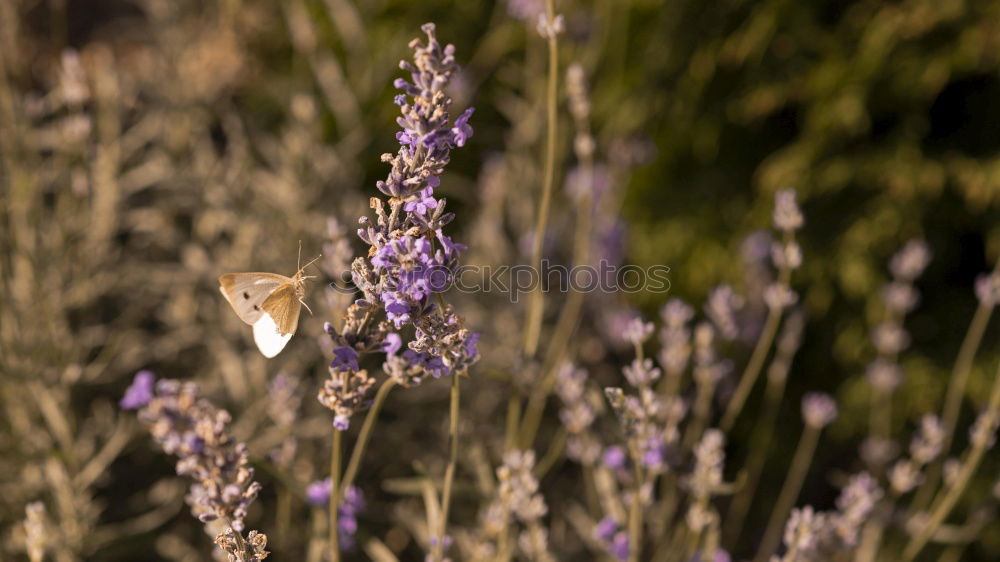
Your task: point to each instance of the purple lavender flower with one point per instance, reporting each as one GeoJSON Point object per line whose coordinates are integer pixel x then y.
{"type": "Point", "coordinates": [318, 493]}
{"type": "Point", "coordinates": [654, 454]}
{"type": "Point", "coordinates": [190, 428]}
{"type": "Point", "coordinates": [721, 308]}
{"type": "Point", "coordinates": [392, 343]}
{"type": "Point", "coordinates": [605, 529]}
{"type": "Point", "coordinates": [619, 546]}
{"type": "Point", "coordinates": [462, 130]}
{"type": "Point", "coordinates": [347, 520]}
{"type": "Point", "coordinates": [410, 260]}
{"type": "Point", "coordinates": [615, 457]}
{"type": "Point", "coordinates": [140, 392]}
{"type": "Point", "coordinates": [344, 358]}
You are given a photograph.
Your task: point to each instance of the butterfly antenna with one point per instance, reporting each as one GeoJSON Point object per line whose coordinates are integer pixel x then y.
{"type": "Point", "coordinates": [298, 263]}
{"type": "Point", "coordinates": [314, 260]}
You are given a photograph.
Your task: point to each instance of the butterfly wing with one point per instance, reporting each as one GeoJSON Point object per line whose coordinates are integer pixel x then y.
{"type": "Point", "coordinates": [247, 292]}
{"type": "Point", "coordinates": [270, 341]}
{"type": "Point", "coordinates": [283, 306]}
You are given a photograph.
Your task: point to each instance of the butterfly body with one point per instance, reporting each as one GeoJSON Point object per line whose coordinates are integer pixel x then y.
{"type": "Point", "coordinates": [267, 301]}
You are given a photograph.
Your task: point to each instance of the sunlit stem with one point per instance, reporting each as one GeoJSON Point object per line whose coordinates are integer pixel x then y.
{"type": "Point", "coordinates": [536, 304]}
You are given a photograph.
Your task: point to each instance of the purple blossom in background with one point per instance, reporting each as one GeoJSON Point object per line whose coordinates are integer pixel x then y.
{"type": "Point", "coordinates": [619, 546]}
{"type": "Point", "coordinates": [609, 532]}
{"type": "Point", "coordinates": [318, 493]}
{"type": "Point", "coordinates": [140, 392]}
{"type": "Point", "coordinates": [347, 521]}
{"type": "Point", "coordinates": [615, 457]}
{"type": "Point", "coordinates": [721, 308]}
{"type": "Point", "coordinates": [606, 529]}
{"type": "Point", "coordinates": [654, 455]}
{"type": "Point", "coordinates": [192, 429]}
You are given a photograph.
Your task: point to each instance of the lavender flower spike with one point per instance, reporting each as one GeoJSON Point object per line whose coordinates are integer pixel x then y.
{"type": "Point", "coordinates": [411, 261]}
{"type": "Point", "coordinates": [196, 432]}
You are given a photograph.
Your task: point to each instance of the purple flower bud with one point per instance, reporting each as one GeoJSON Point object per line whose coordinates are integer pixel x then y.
{"type": "Point", "coordinates": [140, 392]}
{"type": "Point", "coordinates": [462, 130]}
{"type": "Point", "coordinates": [619, 546]}
{"type": "Point", "coordinates": [614, 457]}
{"type": "Point", "coordinates": [341, 422]}
{"type": "Point", "coordinates": [392, 343]}
{"type": "Point", "coordinates": [605, 530]}
{"type": "Point", "coordinates": [345, 359]}
{"type": "Point", "coordinates": [318, 493]}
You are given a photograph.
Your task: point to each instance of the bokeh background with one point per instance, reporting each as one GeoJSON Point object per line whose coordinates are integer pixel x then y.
{"type": "Point", "coordinates": [148, 146]}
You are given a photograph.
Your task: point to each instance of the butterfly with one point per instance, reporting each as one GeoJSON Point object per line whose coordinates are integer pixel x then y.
{"type": "Point", "coordinates": [269, 302]}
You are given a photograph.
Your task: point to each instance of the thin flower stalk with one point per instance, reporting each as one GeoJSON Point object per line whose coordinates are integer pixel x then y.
{"type": "Point", "coordinates": [550, 29]}
{"type": "Point", "coordinates": [332, 530]}
{"type": "Point", "coordinates": [569, 314]}
{"type": "Point", "coordinates": [988, 295]}
{"type": "Point", "coordinates": [787, 256]}
{"type": "Point", "coordinates": [982, 438]}
{"type": "Point", "coordinates": [889, 337]}
{"type": "Point", "coordinates": [777, 376]}
{"type": "Point", "coordinates": [449, 475]}
{"type": "Point", "coordinates": [818, 410]}
{"type": "Point", "coordinates": [358, 451]}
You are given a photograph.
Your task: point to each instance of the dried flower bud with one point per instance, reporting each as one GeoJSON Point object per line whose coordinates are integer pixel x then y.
{"type": "Point", "coordinates": [904, 476]}
{"type": "Point", "coordinates": [927, 443]}
{"type": "Point", "coordinates": [787, 216]}
{"type": "Point", "coordinates": [35, 535]}
{"type": "Point", "coordinates": [910, 261]}
{"type": "Point", "coordinates": [899, 297]}
{"type": "Point", "coordinates": [884, 375]}
{"type": "Point", "coordinates": [786, 255]}
{"type": "Point", "coordinates": [988, 289]}
{"type": "Point", "coordinates": [818, 409]}
{"type": "Point", "coordinates": [983, 432]}
{"type": "Point", "coordinates": [721, 309]}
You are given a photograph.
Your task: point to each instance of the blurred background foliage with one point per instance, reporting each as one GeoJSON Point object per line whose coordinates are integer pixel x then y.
{"type": "Point", "coordinates": [150, 145]}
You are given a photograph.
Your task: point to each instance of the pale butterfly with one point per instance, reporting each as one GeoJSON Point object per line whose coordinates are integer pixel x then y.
{"type": "Point", "coordinates": [269, 302]}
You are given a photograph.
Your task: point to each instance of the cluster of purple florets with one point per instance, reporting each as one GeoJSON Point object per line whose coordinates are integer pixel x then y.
{"type": "Point", "coordinates": [353, 503]}
{"type": "Point", "coordinates": [411, 261]}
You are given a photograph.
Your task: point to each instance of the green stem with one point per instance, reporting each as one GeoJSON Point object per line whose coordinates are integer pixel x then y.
{"type": "Point", "coordinates": [335, 494]}
{"type": "Point", "coordinates": [789, 492]}
{"type": "Point", "coordinates": [536, 305]}
{"type": "Point", "coordinates": [366, 431]}
{"type": "Point", "coordinates": [944, 504]}
{"type": "Point", "coordinates": [553, 455]}
{"type": "Point", "coordinates": [635, 515]}
{"type": "Point", "coordinates": [763, 433]}
{"type": "Point", "coordinates": [953, 398]}
{"type": "Point", "coordinates": [449, 475]}
{"type": "Point", "coordinates": [755, 364]}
